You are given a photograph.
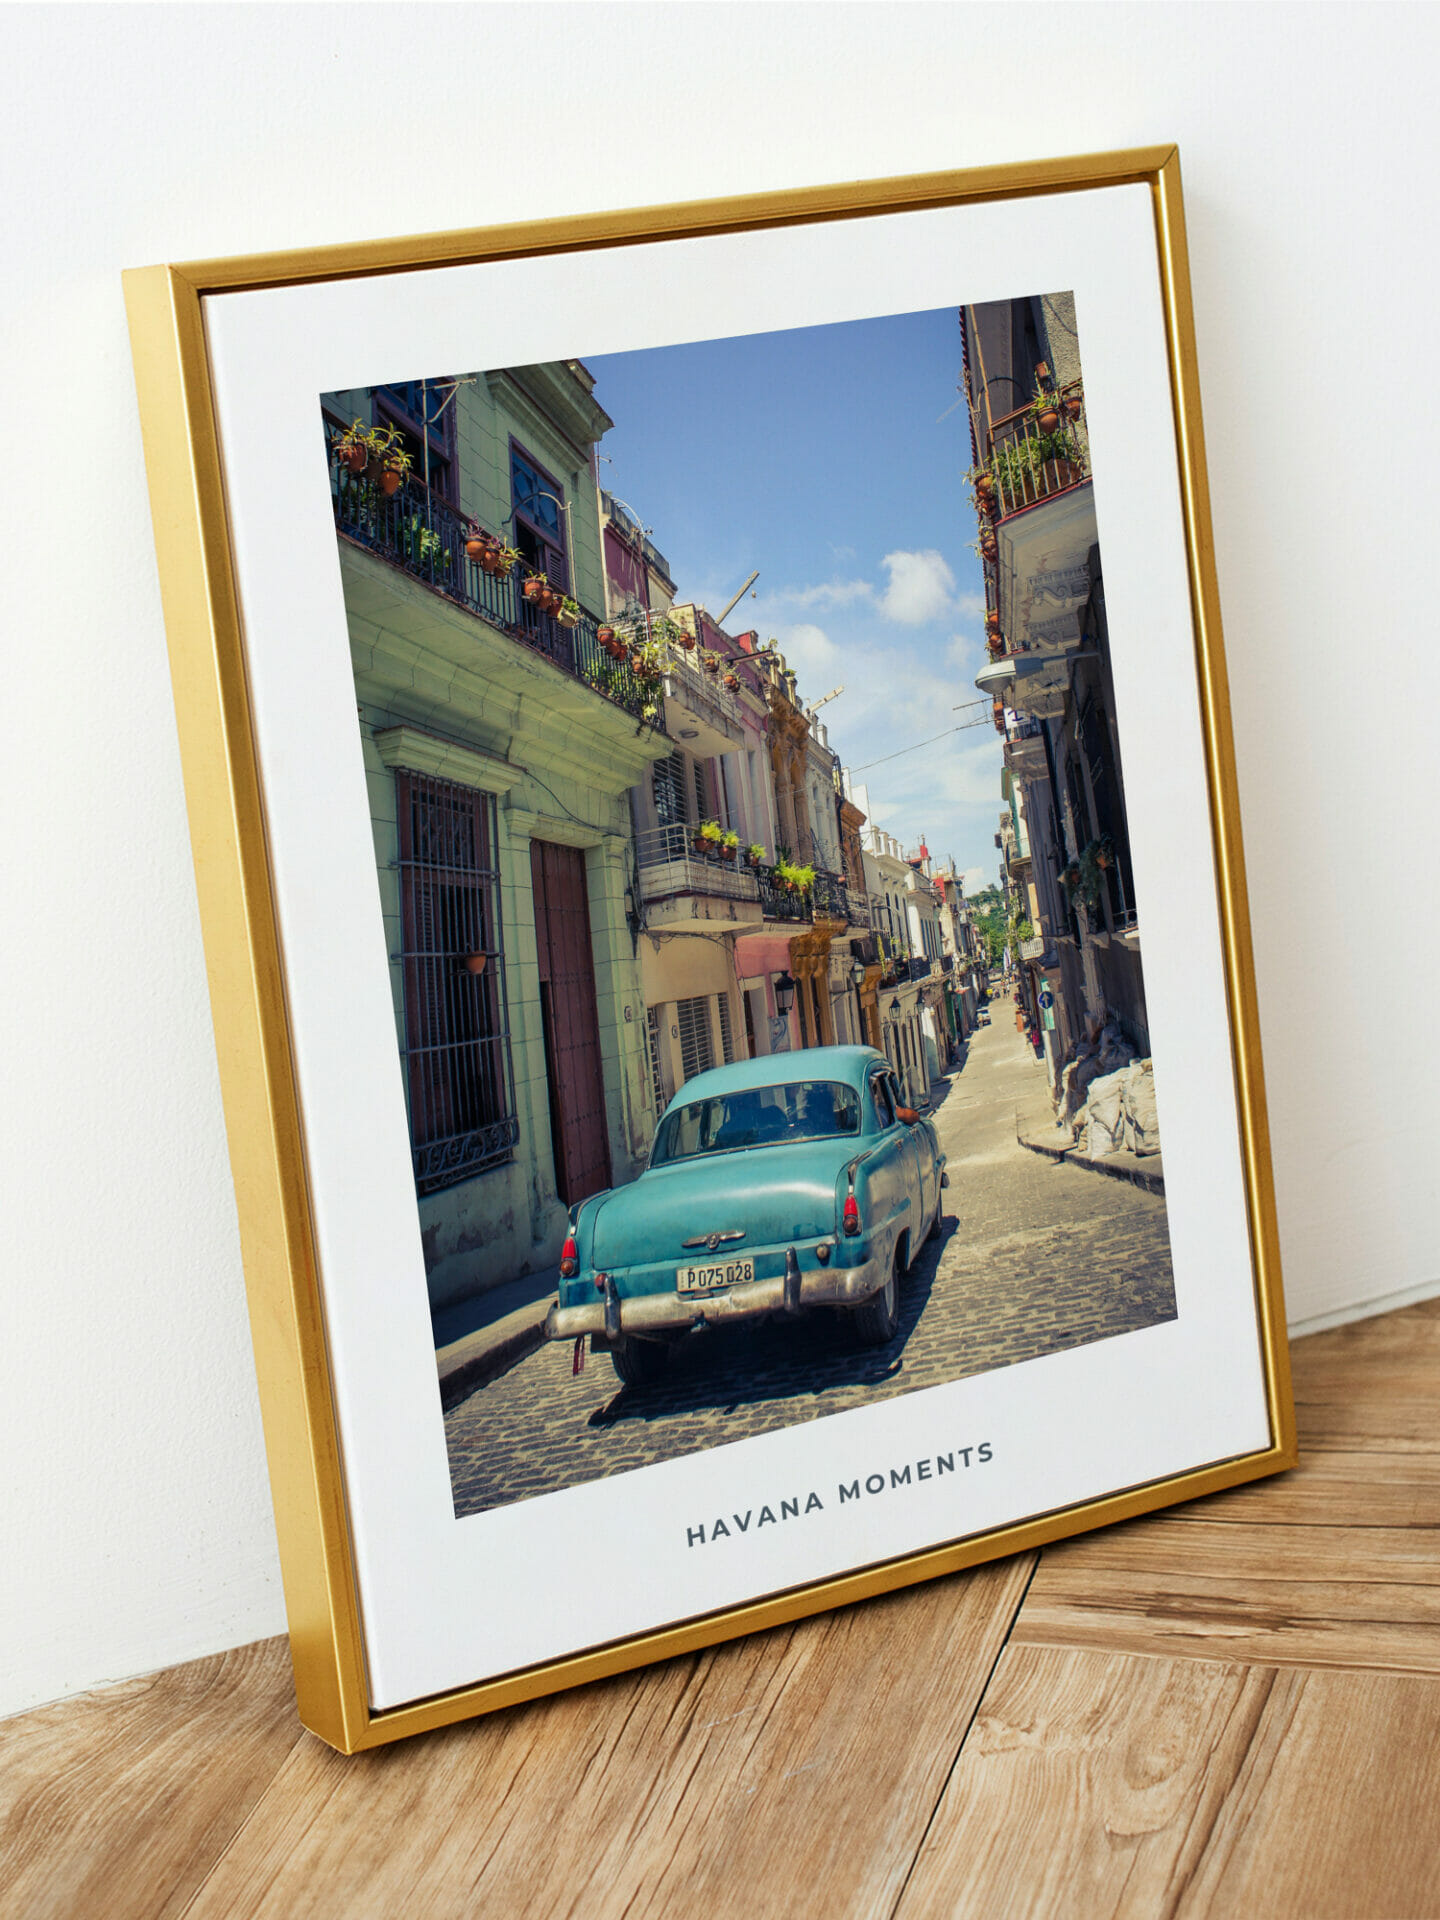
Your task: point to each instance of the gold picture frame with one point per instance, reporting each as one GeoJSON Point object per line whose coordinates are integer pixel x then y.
{"type": "Point", "coordinates": [247, 966]}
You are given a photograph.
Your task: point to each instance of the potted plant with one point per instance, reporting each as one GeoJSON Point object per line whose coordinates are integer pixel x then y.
{"type": "Point", "coordinates": [1073, 405]}
{"type": "Point", "coordinates": [1045, 410]}
{"type": "Point", "coordinates": [605, 636]}
{"type": "Point", "coordinates": [729, 845]}
{"type": "Point", "coordinates": [712, 834]}
{"type": "Point", "coordinates": [732, 682]}
{"type": "Point", "coordinates": [710, 661]}
{"type": "Point", "coordinates": [754, 854]}
{"type": "Point", "coordinates": [989, 546]}
{"type": "Point", "coordinates": [352, 449]}
{"type": "Point", "coordinates": [568, 612]}
{"type": "Point", "coordinates": [535, 588]}
{"type": "Point", "coordinates": [479, 544]}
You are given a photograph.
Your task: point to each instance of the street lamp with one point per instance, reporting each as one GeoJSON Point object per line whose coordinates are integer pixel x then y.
{"type": "Point", "coordinates": [895, 1008]}
{"type": "Point", "coordinates": [857, 972]}
{"type": "Point", "coordinates": [784, 993]}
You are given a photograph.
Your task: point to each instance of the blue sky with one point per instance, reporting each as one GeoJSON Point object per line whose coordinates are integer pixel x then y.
{"type": "Point", "coordinates": [820, 456]}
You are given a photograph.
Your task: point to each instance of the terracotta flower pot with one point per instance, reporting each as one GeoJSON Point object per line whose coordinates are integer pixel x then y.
{"type": "Point", "coordinates": [605, 635]}
{"type": "Point", "coordinates": [687, 641]}
{"type": "Point", "coordinates": [985, 485]}
{"type": "Point", "coordinates": [354, 458]}
{"type": "Point", "coordinates": [702, 845]}
{"type": "Point", "coordinates": [712, 667]}
{"type": "Point", "coordinates": [727, 853]}
{"type": "Point", "coordinates": [533, 588]}
{"type": "Point", "coordinates": [476, 963]}
{"type": "Point", "coordinates": [1072, 408]}
{"type": "Point", "coordinates": [732, 681]}
{"type": "Point", "coordinates": [1049, 420]}
{"type": "Point", "coordinates": [390, 480]}
{"type": "Point", "coordinates": [480, 547]}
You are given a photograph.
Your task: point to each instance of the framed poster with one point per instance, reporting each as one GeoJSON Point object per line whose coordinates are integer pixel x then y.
{"type": "Point", "coordinates": [699, 1147]}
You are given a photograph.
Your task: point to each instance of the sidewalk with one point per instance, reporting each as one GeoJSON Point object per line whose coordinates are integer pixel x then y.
{"type": "Point", "coordinates": [478, 1340]}
{"type": "Point", "coordinates": [1035, 1128]}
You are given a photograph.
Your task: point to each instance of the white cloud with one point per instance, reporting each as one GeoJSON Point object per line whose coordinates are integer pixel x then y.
{"type": "Point", "coordinates": [921, 587]}
{"type": "Point", "coordinates": [830, 593]}
{"type": "Point", "coordinates": [976, 879]}
{"type": "Point", "coordinates": [809, 650]}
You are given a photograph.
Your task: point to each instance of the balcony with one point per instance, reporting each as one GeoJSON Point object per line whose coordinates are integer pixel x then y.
{"type": "Point", "coordinates": [781, 904]}
{"type": "Point", "coordinates": [699, 708]}
{"type": "Point", "coordinates": [1028, 465]}
{"type": "Point", "coordinates": [671, 863]}
{"type": "Point", "coordinates": [919, 968]}
{"type": "Point", "coordinates": [831, 896]}
{"type": "Point", "coordinates": [417, 531]}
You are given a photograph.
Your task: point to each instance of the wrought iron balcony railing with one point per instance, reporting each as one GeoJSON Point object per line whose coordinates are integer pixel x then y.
{"type": "Point", "coordinates": [1028, 464]}
{"type": "Point", "coordinates": [672, 859]}
{"type": "Point", "coordinates": [780, 903]}
{"type": "Point", "coordinates": [831, 896]}
{"type": "Point", "coordinates": [415, 529]}
{"type": "Point", "coordinates": [920, 967]}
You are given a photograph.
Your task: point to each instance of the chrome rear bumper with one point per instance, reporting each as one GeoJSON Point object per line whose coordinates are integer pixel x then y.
{"type": "Point", "coordinates": [672, 1312]}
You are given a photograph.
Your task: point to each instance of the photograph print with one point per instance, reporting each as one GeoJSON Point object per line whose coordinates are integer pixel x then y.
{"type": "Point", "coordinates": [748, 801]}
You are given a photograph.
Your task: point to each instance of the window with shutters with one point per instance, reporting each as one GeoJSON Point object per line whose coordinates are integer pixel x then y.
{"type": "Point", "coordinates": [697, 1051]}
{"type": "Point", "coordinates": [457, 1044]}
{"type": "Point", "coordinates": [727, 1042]}
{"type": "Point", "coordinates": [668, 783]}
{"type": "Point", "coordinates": [657, 1078]}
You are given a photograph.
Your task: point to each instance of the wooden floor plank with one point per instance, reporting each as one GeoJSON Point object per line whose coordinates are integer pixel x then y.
{"type": "Point", "coordinates": [120, 1802]}
{"type": "Point", "coordinates": [1331, 1488]}
{"type": "Point", "coordinates": [790, 1772]}
{"type": "Point", "coordinates": [1292, 1623]}
{"type": "Point", "coordinates": [1096, 1787]}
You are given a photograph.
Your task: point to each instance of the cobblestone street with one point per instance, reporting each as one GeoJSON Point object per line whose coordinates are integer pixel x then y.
{"type": "Point", "coordinates": [1035, 1256]}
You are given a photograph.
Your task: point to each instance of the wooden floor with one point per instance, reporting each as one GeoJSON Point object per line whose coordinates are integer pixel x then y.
{"type": "Point", "coordinates": [1232, 1709]}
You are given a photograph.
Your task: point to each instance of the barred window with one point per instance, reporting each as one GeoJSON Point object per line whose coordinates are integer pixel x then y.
{"type": "Point", "coordinates": [657, 1078]}
{"type": "Point", "coordinates": [697, 1052]}
{"type": "Point", "coordinates": [727, 1040]}
{"type": "Point", "coordinates": [457, 1044]}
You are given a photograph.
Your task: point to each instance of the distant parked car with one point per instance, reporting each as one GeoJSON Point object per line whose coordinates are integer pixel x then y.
{"type": "Point", "coordinates": [775, 1187]}
{"type": "Point", "coordinates": [982, 1016]}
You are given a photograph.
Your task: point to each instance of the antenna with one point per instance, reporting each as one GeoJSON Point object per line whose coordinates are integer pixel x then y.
{"type": "Point", "coordinates": [731, 604]}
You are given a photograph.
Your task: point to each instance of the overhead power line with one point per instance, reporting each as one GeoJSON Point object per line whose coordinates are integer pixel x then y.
{"type": "Point", "coordinates": [984, 720]}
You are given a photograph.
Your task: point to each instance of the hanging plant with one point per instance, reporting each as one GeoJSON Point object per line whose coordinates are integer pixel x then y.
{"type": "Point", "coordinates": [710, 661]}
{"type": "Point", "coordinates": [1072, 405]}
{"type": "Point", "coordinates": [567, 614]}
{"type": "Point", "coordinates": [732, 682]}
{"type": "Point", "coordinates": [605, 635]}
{"type": "Point", "coordinates": [535, 588]}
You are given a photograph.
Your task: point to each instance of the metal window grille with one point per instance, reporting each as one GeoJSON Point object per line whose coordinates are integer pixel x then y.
{"type": "Point", "coordinates": [668, 784]}
{"type": "Point", "coordinates": [657, 1078]}
{"type": "Point", "coordinates": [727, 1039]}
{"type": "Point", "coordinates": [702, 805]}
{"type": "Point", "coordinates": [458, 1073]}
{"type": "Point", "coordinates": [697, 1051]}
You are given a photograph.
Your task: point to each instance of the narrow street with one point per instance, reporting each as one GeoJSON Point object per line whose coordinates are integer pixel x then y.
{"type": "Point", "coordinates": [1035, 1256]}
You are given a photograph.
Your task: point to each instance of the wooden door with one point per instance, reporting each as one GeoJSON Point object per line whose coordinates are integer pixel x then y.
{"type": "Point", "coordinates": [570, 1020]}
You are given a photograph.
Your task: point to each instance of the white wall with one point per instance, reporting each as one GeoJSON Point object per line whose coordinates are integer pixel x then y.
{"type": "Point", "coordinates": [137, 1524]}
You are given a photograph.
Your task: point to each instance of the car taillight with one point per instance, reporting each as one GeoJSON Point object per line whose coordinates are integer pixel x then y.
{"type": "Point", "coordinates": [850, 1218]}
{"type": "Point", "coordinates": [569, 1258]}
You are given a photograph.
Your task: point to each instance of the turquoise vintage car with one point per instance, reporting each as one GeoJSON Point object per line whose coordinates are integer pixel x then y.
{"type": "Point", "coordinates": [774, 1187]}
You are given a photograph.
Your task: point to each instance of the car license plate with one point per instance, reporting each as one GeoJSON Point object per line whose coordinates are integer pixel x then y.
{"type": "Point", "coordinates": [726, 1273]}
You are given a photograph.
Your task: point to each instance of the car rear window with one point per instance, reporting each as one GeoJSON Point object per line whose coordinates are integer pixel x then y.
{"type": "Point", "coordinates": [757, 1117]}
